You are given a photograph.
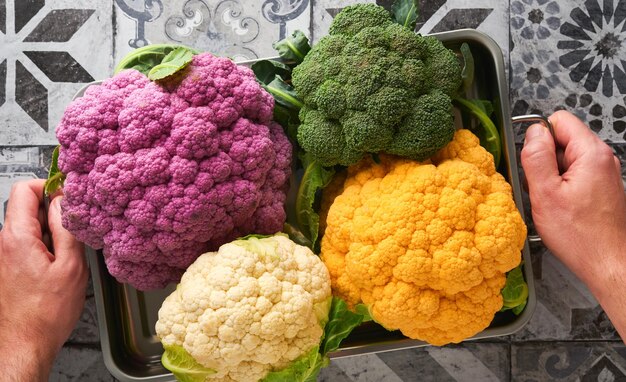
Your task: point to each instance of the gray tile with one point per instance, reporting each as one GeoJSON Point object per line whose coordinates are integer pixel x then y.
{"type": "Point", "coordinates": [86, 330]}
{"type": "Point", "coordinates": [24, 12]}
{"type": "Point", "coordinates": [462, 18]}
{"type": "Point", "coordinates": [47, 62]}
{"type": "Point", "coordinates": [333, 373]}
{"type": "Point", "coordinates": [574, 361]}
{"type": "Point", "coordinates": [490, 17]}
{"type": "Point", "coordinates": [411, 363]}
{"type": "Point", "coordinates": [323, 12]}
{"type": "Point", "coordinates": [21, 159]}
{"type": "Point", "coordinates": [59, 25]}
{"type": "Point", "coordinates": [367, 368]}
{"type": "Point", "coordinates": [592, 323]}
{"type": "Point", "coordinates": [427, 8]}
{"type": "Point", "coordinates": [239, 29]}
{"type": "Point", "coordinates": [566, 309]}
{"type": "Point", "coordinates": [77, 364]}
{"type": "Point", "coordinates": [468, 361]}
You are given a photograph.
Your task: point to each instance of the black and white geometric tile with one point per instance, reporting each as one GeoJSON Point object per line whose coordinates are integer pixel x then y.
{"type": "Point", "coordinates": [573, 361]}
{"type": "Point", "coordinates": [470, 362]}
{"type": "Point", "coordinates": [568, 54]}
{"type": "Point", "coordinates": [242, 30]}
{"type": "Point", "coordinates": [47, 54]}
{"type": "Point", "coordinates": [571, 55]}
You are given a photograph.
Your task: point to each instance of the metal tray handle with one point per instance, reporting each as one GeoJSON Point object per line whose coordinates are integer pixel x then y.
{"type": "Point", "coordinates": [535, 118]}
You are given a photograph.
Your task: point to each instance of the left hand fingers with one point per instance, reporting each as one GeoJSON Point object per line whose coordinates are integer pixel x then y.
{"type": "Point", "coordinates": [24, 202]}
{"type": "Point", "coordinates": [22, 228]}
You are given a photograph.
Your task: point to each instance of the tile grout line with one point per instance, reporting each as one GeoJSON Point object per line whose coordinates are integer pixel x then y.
{"type": "Point", "coordinates": [461, 364]}
{"type": "Point", "coordinates": [311, 18]}
{"type": "Point", "coordinates": [510, 361]}
{"type": "Point", "coordinates": [113, 36]}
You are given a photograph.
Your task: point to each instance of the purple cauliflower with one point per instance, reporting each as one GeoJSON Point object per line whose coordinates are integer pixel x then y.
{"type": "Point", "coordinates": [159, 173]}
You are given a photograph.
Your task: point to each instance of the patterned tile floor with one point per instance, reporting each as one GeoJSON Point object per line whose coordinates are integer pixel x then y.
{"type": "Point", "coordinates": [568, 54]}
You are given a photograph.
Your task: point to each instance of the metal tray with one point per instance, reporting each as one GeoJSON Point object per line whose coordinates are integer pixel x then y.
{"type": "Point", "coordinates": [126, 316]}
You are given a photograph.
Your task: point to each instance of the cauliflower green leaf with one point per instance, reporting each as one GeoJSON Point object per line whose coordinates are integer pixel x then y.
{"type": "Point", "coordinates": [274, 77]}
{"type": "Point", "coordinates": [515, 291]}
{"type": "Point", "coordinates": [405, 13]}
{"type": "Point", "coordinates": [184, 367]}
{"type": "Point", "coordinates": [283, 93]}
{"type": "Point", "coordinates": [55, 176]}
{"type": "Point", "coordinates": [340, 324]}
{"type": "Point", "coordinates": [257, 244]}
{"type": "Point", "coordinates": [296, 235]}
{"type": "Point", "coordinates": [363, 310]}
{"type": "Point", "coordinates": [175, 60]}
{"type": "Point", "coordinates": [467, 74]}
{"type": "Point", "coordinates": [146, 58]}
{"type": "Point", "coordinates": [314, 179]}
{"type": "Point", "coordinates": [266, 70]}
{"type": "Point", "coordinates": [293, 48]}
{"type": "Point", "coordinates": [304, 369]}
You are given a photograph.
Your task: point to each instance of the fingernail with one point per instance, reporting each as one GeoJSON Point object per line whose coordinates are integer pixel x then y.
{"type": "Point", "coordinates": [534, 131]}
{"type": "Point", "coordinates": [57, 202]}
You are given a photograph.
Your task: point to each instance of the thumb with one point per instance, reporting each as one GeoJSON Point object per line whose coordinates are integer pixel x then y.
{"type": "Point", "coordinates": [64, 243]}
{"type": "Point", "coordinates": [539, 160]}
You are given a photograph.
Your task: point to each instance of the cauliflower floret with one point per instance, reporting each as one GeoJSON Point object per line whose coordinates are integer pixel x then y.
{"type": "Point", "coordinates": [425, 245]}
{"type": "Point", "coordinates": [253, 306]}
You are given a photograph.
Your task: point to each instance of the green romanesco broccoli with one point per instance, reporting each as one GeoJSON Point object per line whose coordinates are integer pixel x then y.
{"type": "Point", "coordinates": [374, 86]}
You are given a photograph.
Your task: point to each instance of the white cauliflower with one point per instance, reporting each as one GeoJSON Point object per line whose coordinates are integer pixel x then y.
{"type": "Point", "coordinates": [253, 307]}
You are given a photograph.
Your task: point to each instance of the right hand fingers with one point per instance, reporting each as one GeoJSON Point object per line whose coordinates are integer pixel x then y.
{"type": "Point", "coordinates": [539, 161]}
{"type": "Point", "coordinates": [574, 138]}
{"type": "Point", "coordinates": [618, 165]}
{"type": "Point", "coordinates": [569, 129]}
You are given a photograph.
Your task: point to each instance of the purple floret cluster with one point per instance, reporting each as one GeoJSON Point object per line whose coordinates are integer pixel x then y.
{"type": "Point", "coordinates": [157, 174]}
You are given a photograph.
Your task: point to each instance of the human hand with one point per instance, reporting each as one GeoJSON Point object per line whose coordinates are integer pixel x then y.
{"type": "Point", "coordinates": [579, 206]}
{"type": "Point", "coordinates": [41, 294]}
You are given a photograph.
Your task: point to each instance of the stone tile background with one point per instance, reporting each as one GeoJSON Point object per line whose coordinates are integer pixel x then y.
{"type": "Point", "coordinates": [47, 55]}
{"type": "Point", "coordinates": [567, 54]}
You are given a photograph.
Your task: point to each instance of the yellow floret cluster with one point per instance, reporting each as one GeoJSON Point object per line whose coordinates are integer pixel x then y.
{"type": "Point", "coordinates": [425, 245]}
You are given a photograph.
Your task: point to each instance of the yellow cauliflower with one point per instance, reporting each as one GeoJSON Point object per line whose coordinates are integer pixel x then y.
{"type": "Point", "coordinates": [425, 245]}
